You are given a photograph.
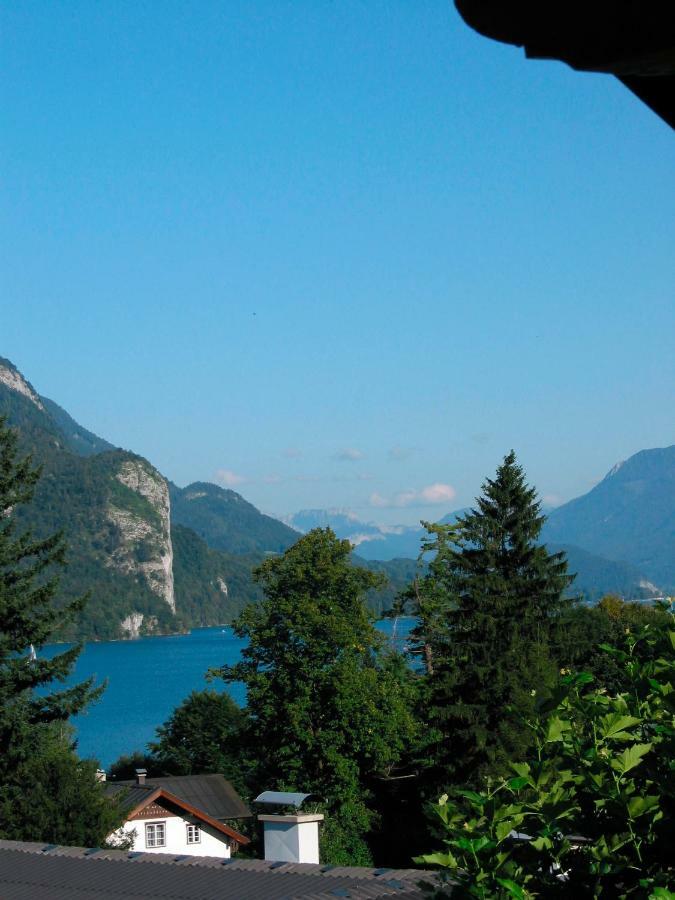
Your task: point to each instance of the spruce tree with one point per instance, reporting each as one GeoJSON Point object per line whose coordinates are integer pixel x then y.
{"type": "Point", "coordinates": [33, 711]}
{"type": "Point", "coordinates": [502, 594]}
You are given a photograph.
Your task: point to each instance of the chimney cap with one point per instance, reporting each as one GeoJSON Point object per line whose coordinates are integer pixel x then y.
{"type": "Point", "coordinates": [284, 798]}
{"type": "Point", "coordinates": [140, 775]}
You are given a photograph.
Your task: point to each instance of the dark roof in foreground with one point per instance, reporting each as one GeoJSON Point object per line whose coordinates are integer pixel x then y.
{"type": "Point", "coordinates": [213, 794]}
{"type": "Point", "coordinates": [33, 870]}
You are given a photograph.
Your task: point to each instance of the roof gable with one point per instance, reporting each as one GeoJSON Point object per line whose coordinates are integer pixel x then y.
{"type": "Point", "coordinates": [160, 794]}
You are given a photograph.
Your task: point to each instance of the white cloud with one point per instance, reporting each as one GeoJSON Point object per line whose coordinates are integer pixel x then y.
{"type": "Point", "coordinates": [350, 454]}
{"type": "Point", "coordinates": [360, 538]}
{"type": "Point", "coordinates": [438, 493]}
{"type": "Point", "coordinates": [431, 495]}
{"type": "Point", "coordinates": [229, 478]}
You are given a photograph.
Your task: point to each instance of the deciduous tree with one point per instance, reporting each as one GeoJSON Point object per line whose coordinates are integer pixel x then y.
{"type": "Point", "coordinates": [328, 710]}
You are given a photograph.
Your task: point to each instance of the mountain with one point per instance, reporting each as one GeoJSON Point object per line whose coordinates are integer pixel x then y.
{"type": "Point", "coordinates": [397, 548]}
{"type": "Point", "coordinates": [629, 516]}
{"type": "Point", "coordinates": [144, 575]}
{"type": "Point", "coordinates": [374, 542]}
{"type": "Point", "coordinates": [228, 522]}
{"type": "Point", "coordinates": [155, 558]}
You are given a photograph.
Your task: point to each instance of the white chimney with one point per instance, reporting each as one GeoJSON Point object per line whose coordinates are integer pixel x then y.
{"type": "Point", "coordinates": [140, 776]}
{"type": "Point", "coordinates": [293, 838]}
{"type": "Point", "coordinates": [289, 837]}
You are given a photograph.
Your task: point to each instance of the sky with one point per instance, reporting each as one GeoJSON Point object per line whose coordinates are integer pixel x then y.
{"type": "Point", "coordinates": [333, 254]}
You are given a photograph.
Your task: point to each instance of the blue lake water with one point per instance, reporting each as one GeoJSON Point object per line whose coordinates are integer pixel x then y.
{"type": "Point", "coordinates": [148, 678]}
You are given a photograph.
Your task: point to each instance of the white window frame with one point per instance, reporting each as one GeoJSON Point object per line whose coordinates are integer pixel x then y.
{"type": "Point", "coordinates": [193, 833]}
{"type": "Point", "coordinates": [152, 839]}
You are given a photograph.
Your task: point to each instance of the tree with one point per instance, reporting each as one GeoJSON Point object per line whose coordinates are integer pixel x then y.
{"type": "Point", "coordinates": [329, 710]}
{"type": "Point", "coordinates": [596, 798]}
{"type": "Point", "coordinates": [492, 598]}
{"type": "Point", "coordinates": [55, 796]}
{"type": "Point", "coordinates": [204, 734]}
{"type": "Point", "coordinates": [32, 712]}
{"type": "Point", "coordinates": [585, 629]}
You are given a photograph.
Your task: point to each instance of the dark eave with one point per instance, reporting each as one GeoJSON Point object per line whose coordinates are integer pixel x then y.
{"type": "Point", "coordinates": [631, 39]}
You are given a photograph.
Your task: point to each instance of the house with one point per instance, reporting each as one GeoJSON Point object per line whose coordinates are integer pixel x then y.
{"type": "Point", "coordinates": [190, 815]}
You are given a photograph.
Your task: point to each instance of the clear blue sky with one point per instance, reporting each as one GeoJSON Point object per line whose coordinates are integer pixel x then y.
{"type": "Point", "coordinates": [342, 254]}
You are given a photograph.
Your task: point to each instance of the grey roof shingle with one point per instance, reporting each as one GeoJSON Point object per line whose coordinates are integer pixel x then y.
{"type": "Point", "coordinates": [33, 870]}
{"type": "Point", "coordinates": [213, 794]}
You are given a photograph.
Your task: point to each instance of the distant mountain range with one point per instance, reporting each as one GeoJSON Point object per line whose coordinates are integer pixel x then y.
{"type": "Point", "coordinates": [620, 537]}
{"type": "Point", "coordinates": [158, 558]}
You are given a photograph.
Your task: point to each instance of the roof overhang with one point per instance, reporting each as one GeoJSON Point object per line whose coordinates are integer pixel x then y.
{"type": "Point", "coordinates": [631, 39]}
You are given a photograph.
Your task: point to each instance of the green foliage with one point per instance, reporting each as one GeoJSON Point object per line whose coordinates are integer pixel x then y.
{"type": "Point", "coordinates": [487, 606]}
{"type": "Point", "coordinates": [38, 768]}
{"type": "Point", "coordinates": [597, 798]}
{"type": "Point", "coordinates": [206, 733]}
{"type": "Point", "coordinates": [124, 768]}
{"type": "Point", "coordinates": [578, 643]}
{"type": "Point", "coordinates": [54, 796]}
{"type": "Point", "coordinates": [211, 587]}
{"type": "Point", "coordinates": [228, 522]}
{"type": "Point", "coordinates": [328, 709]}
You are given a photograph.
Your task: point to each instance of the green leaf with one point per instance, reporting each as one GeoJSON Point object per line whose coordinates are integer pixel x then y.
{"type": "Point", "coordinates": [555, 729]}
{"type": "Point", "coordinates": [638, 806]}
{"type": "Point", "coordinates": [517, 783]}
{"type": "Point", "coordinates": [514, 889]}
{"type": "Point", "coordinates": [630, 758]}
{"type": "Point", "coordinates": [614, 724]}
{"type": "Point", "coordinates": [447, 860]}
{"type": "Point", "coordinates": [503, 829]}
{"type": "Point", "coordinates": [478, 799]}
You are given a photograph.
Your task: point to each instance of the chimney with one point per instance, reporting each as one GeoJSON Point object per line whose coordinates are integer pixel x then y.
{"type": "Point", "coordinates": [140, 776]}
{"type": "Point", "coordinates": [290, 837]}
{"type": "Point", "coordinates": [100, 775]}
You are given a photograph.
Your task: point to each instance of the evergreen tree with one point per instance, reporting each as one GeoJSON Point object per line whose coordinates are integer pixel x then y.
{"type": "Point", "coordinates": [501, 594]}
{"type": "Point", "coordinates": [329, 710]}
{"type": "Point", "coordinates": [30, 709]}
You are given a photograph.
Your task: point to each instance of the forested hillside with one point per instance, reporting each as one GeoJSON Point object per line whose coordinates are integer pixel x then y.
{"type": "Point", "coordinates": [153, 557]}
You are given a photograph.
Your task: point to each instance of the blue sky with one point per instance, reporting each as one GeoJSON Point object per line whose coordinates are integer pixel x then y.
{"type": "Point", "coordinates": [333, 254]}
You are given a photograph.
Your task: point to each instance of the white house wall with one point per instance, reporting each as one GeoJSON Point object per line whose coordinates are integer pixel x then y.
{"type": "Point", "coordinates": [212, 842]}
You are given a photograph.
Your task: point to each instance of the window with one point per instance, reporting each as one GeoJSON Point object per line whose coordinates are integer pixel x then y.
{"type": "Point", "coordinates": [194, 834]}
{"type": "Point", "coordinates": [155, 834]}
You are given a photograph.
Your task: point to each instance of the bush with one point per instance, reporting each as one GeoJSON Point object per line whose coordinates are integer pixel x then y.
{"type": "Point", "coordinates": [592, 812]}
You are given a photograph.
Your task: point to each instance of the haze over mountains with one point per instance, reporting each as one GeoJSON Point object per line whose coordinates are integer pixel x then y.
{"type": "Point", "coordinates": [159, 558]}
{"type": "Point", "coordinates": [619, 537]}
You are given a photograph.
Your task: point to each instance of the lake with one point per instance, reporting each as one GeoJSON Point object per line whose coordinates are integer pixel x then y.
{"type": "Point", "coordinates": [148, 678]}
